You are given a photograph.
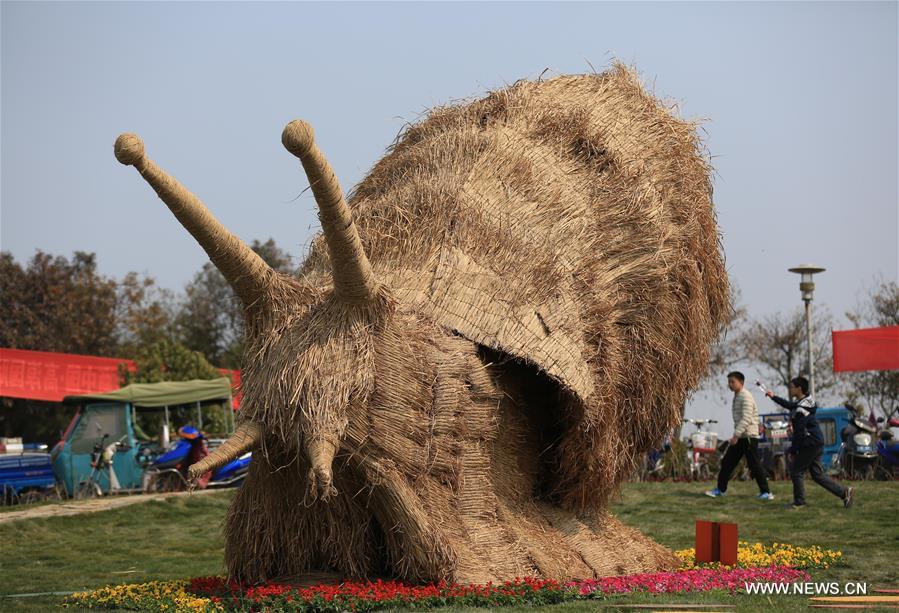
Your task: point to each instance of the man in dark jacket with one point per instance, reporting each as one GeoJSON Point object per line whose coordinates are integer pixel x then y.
{"type": "Point", "coordinates": [807, 444]}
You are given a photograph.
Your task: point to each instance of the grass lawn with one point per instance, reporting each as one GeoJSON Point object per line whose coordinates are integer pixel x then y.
{"type": "Point", "coordinates": [169, 539]}
{"type": "Point", "coordinates": [181, 537]}
{"type": "Point", "coordinates": [867, 534]}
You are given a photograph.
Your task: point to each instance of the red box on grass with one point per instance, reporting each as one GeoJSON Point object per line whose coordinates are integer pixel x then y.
{"type": "Point", "coordinates": [716, 542]}
{"type": "Point", "coordinates": [706, 541]}
{"type": "Point", "coordinates": [727, 544]}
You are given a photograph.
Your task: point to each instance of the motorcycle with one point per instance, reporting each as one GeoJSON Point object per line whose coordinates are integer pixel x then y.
{"type": "Point", "coordinates": [858, 456]}
{"type": "Point", "coordinates": [888, 451]}
{"type": "Point", "coordinates": [700, 445]}
{"type": "Point", "coordinates": [102, 469]}
{"type": "Point", "coordinates": [168, 471]}
{"type": "Point", "coordinates": [653, 468]}
{"type": "Point", "coordinates": [774, 443]}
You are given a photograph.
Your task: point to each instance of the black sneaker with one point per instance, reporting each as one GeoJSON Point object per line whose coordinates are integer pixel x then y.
{"type": "Point", "coordinates": [847, 498]}
{"type": "Point", "coordinates": [797, 505]}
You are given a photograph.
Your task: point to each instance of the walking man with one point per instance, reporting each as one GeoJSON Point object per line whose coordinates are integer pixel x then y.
{"type": "Point", "coordinates": [744, 442]}
{"type": "Point", "coordinates": [807, 444]}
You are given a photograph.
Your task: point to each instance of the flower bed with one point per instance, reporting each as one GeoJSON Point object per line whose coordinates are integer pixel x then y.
{"type": "Point", "coordinates": [758, 555]}
{"type": "Point", "coordinates": [216, 594]}
{"type": "Point", "coordinates": [168, 596]}
{"type": "Point", "coordinates": [693, 580]}
{"type": "Point", "coordinates": [370, 595]}
{"type": "Point", "coordinates": [758, 563]}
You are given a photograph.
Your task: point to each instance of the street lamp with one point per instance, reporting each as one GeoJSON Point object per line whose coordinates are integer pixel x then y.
{"type": "Point", "coordinates": [807, 287]}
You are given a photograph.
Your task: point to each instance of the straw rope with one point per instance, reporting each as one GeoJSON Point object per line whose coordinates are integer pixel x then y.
{"type": "Point", "coordinates": [245, 271]}
{"type": "Point", "coordinates": [353, 278]}
{"type": "Point", "coordinates": [245, 438]}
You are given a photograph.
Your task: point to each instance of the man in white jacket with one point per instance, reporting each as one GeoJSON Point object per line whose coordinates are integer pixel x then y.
{"type": "Point", "coordinates": [745, 440]}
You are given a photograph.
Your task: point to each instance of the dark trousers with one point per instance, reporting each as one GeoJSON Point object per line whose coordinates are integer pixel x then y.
{"type": "Point", "coordinates": [748, 447]}
{"type": "Point", "coordinates": [809, 459]}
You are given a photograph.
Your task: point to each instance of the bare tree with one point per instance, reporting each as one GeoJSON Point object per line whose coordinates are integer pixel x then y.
{"type": "Point", "coordinates": [877, 390]}
{"type": "Point", "coordinates": [777, 343]}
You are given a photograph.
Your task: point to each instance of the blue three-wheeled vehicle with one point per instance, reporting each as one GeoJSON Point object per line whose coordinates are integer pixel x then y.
{"type": "Point", "coordinates": [107, 449]}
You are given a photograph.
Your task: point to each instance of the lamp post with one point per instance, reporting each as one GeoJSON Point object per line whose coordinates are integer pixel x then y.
{"type": "Point", "coordinates": [807, 287]}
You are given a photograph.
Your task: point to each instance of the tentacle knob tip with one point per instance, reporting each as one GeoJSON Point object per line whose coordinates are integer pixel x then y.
{"type": "Point", "coordinates": [298, 137]}
{"type": "Point", "coordinates": [129, 149]}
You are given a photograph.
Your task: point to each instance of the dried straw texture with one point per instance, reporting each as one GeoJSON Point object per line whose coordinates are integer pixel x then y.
{"type": "Point", "coordinates": [568, 223]}
{"type": "Point", "coordinates": [565, 232]}
{"type": "Point", "coordinates": [441, 477]}
{"type": "Point", "coordinates": [524, 291]}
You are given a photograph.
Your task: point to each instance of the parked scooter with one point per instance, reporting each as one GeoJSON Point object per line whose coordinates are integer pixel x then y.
{"type": "Point", "coordinates": [653, 468]}
{"type": "Point", "coordinates": [858, 456]}
{"type": "Point", "coordinates": [888, 451]}
{"type": "Point", "coordinates": [774, 442]}
{"type": "Point", "coordinates": [700, 445]}
{"type": "Point", "coordinates": [168, 472]}
{"type": "Point", "coordinates": [101, 461]}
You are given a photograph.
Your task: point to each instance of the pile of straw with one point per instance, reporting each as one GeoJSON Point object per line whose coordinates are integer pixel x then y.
{"type": "Point", "coordinates": [509, 310]}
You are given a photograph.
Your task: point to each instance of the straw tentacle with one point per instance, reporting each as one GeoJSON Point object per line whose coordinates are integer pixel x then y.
{"type": "Point", "coordinates": [245, 271]}
{"type": "Point", "coordinates": [354, 279]}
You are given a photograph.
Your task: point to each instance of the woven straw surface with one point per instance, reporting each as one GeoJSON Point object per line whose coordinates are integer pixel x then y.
{"type": "Point", "coordinates": [568, 223]}
{"type": "Point", "coordinates": [508, 311]}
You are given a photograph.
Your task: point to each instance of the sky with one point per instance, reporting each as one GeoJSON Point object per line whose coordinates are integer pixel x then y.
{"type": "Point", "coordinates": [798, 100]}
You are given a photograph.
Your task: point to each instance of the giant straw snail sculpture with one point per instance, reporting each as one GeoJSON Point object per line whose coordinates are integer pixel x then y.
{"type": "Point", "coordinates": [509, 310]}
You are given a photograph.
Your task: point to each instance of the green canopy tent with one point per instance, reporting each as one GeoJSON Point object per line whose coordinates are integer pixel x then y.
{"type": "Point", "coordinates": [168, 394]}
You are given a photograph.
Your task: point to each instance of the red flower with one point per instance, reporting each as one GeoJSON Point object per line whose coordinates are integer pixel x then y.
{"type": "Point", "coordinates": [367, 595]}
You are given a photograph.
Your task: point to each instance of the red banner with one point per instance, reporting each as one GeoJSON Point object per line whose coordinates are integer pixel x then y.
{"type": "Point", "coordinates": [41, 375]}
{"type": "Point", "coordinates": [866, 349]}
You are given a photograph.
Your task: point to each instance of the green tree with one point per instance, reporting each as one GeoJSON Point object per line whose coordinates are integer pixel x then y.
{"type": "Point", "coordinates": [56, 304]}
{"type": "Point", "coordinates": [169, 360]}
{"type": "Point", "coordinates": [210, 319]}
{"type": "Point", "coordinates": [35, 421]}
{"type": "Point", "coordinates": [777, 345]}
{"type": "Point", "coordinates": [64, 305]}
{"type": "Point", "coordinates": [877, 390]}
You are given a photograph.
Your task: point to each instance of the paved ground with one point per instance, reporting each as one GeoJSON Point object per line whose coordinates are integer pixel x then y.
{"type": "Point", "coordinates": [74, 507]}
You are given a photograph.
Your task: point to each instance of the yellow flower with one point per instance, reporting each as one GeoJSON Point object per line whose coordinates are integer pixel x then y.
{"type": "Point", "coordinates": [778, 554]}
